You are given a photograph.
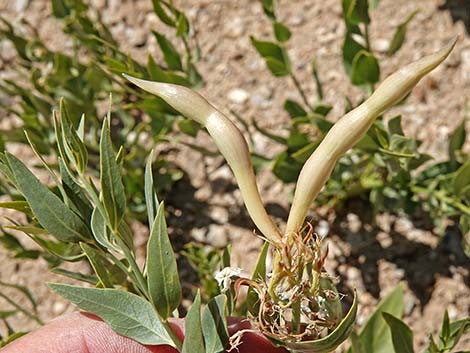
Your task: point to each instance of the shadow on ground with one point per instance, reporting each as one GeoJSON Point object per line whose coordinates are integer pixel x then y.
{"type": "Point", "coordinates": [459, 10]}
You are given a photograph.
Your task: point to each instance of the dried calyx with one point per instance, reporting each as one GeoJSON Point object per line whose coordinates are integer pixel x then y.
{"type": "Point", "coordinates": [299, 306]}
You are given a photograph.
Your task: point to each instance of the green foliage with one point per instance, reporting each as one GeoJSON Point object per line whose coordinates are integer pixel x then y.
{"type": "Point", "coordinates": [205, 261]}
{"type": "Point", "coordinates": [385, 167]}
{"type": "Point", "coordinates": [135, 302]}
{"type": "Point", "coordinates": [126, 313]}
{"type": "Point", "coordinates": [84, 75]}
{"type": "Point", "coordinates": [163, 281]}
{"type": "Point", "coordinates": [375, 336]}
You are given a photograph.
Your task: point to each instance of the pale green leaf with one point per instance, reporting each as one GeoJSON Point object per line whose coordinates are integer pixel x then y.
{"type": "Point", "coordinates": [163, 280]}
{"type": "Point", "coordinates": [50, 210]}
{"type": "Point", "coordinates": [193, 338]}
{"type": "Point", "coordinates": [126, 313]}
{"type": "Point", "coordinates": [214, 324]}
{"type": "Point", "coordinates": [112, 189]}
{"type": "Point", "coordinates": [402, 336]}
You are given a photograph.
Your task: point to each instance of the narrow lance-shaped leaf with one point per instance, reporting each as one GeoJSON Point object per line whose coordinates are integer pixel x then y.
{"type": "Point", "coordinates": [400, 34]}
{"type": "Point", "coordinates": [375, 337]}
{"type": "Point", "coordinates": [214, 325]}
{"type": "Point", "coordinates": [193, 338]}
{"type": "Point", "coordinates": [350, 129]}
{"type": "Point", "coordinates": [170, 54]}
{"type": "Point", "coordinates": [112, 189]}
{"type": "Point", "coordinates": [151, 199]}
{"type": "Point", "coordinates": [50, 210]}
{"type": "Point", "coordinates": [228, 139]}
{"type": "Point", "coordinates": [162, 271]}
{"type": "Point", "coordinates": [259, 274]}
{"type": "Point", "coordinates": [402, 336]}
{"type": "Point", "coordinates": [126, 313]}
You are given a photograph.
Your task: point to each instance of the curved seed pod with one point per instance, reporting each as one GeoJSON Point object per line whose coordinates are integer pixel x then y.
{"type": "Point", "coordinates": [228, 139]}
{"type": "Point", "coordinates": [349, 130]}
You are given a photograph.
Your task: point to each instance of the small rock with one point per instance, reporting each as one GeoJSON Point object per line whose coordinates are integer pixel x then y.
{"type": "Point", "coordinates": [403, 225]}
{"type": "Point", "coordinates": [453, 312]}
{"type": "Point", "coordinates": [465, 67]}
{"type": "Point", "coordinates": [137, 37]}
{"type": "Point", "coordinates": [217, 236]}
{"type": "Point", "coordinates": [354, 223]}
{"type": "Point", "coordinates": [323, 228]}
{"type": "Point", "coordinates": [114, 4]}
{"type": "Point", "coordinates": [295, 21]}
{"type": "Point", "coordinates": [381, 45]}
{"type": "Point", "coordinates": [198, 234]}
{"type": "Point", "coordinates": [235, 27]}
{"type": "Point", "coordinates": [7, 51]}
{"type": "Point", "coordinates": [21, 5]}
{"type": "Point", "coordinates": [258, 101]}
{"type": "Point", "coordinates": [410, 302]}
{"type": "Point", "coordinates": [59, 307]}
{"type": "Point", "coordinates": [238, 95]}
{"type": "Point", "coordinates": [219, 214]}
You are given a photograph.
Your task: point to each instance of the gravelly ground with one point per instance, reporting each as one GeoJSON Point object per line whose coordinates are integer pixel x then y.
{"type": "Point", "coordinates": [371, 258]}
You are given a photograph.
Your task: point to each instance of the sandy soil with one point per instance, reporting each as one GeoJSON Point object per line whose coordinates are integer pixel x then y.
{"type": "Point", "coordinates": [372, 258]}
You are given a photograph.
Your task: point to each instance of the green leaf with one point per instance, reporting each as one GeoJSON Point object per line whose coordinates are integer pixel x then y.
{"type": "Point", "coordinates": [316, 78]}
{"type": "Point", "coordinates": [182, 27]}
{"type": "Point", "coordinates": [333, 339]}
{"type": "Point", "coordinates": [100, 264]}
{"type": "Point", "coordinates": [193, 338]}
{"type": "Point", "coordinates": [350, 49]}
{"type": "Point", "coordinates": [269, 8]}
{"type": "Point", "coordinates": [277, 68]}
{"type": "Point", "coordinates": [400, 34]}
{"type": "Point", "coordinates": [163, 281]}
{"type": "Point", "coordinates": [50, 210]}
{"type": "Point", "coordinates": [286, 168]}
{"type": "Point", "coordinates": [281, 32]}
{"type": "Point", "coordinates": [462, 179]}
{"type": "Point", "coordinates": [60, 8]}
{"type": "Point", "coordinates": [457, 139]}
{"type": "Point", "coordinates": [394, 125]}
{"type": "Point", "coordinates": [259, 273]}
{"type": "Point", "coordinates": [445, 330]}
{"type": "Point", "coordinates": [214, 325]}
{"type": "Point", "coordinates": [21, 206]}
{"type": "Point", "coordinates": [112, 189]}
{"type": "Point", "coordinates": [189, 127]}
{"type": "Point", "coordinates": [151, 199]}
{"type": "Point", "coordinates": [402, 336]}
{"type": "Point", "coordinates": [356, 11]}
{"type": "Point", "coordinates": [160, 75]}
{"type": "Point", "coordinates": [365, 69]}
{"type": "Point", "coordinates": [268, 49]}
{"type": "Point", "coordinates": [170, 54]}
{"type": "Point", "coordinates": [375, 336]}
{"type": "Point", "coordinates": [77, 276]}
{"type": "Point", "coordinates": [294, 109]}
{"type": "Point", "coordinates": [161, 13]}
{"type": "Point", "coordinates": [457, 330]}
{"type": "Point", "coordinates": [270, 135]}
{"type": "Point", "coordinates": [126, 313]}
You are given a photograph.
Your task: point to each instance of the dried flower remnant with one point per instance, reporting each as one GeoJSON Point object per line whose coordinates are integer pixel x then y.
{"type": "Point", "coordinates": [298, 306]}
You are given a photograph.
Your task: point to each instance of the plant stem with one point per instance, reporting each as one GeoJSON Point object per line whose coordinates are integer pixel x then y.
{"type": "Point", "coordinates": [19, 308]}
{"type": "Point", "coordinates": [366, 37]}
{"type": "Point", "coordinates": [174, 337]}
{"type": "Point", "coordinates": [442, 197]}
{"type": "Point", "coordinates": [301, 91]}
